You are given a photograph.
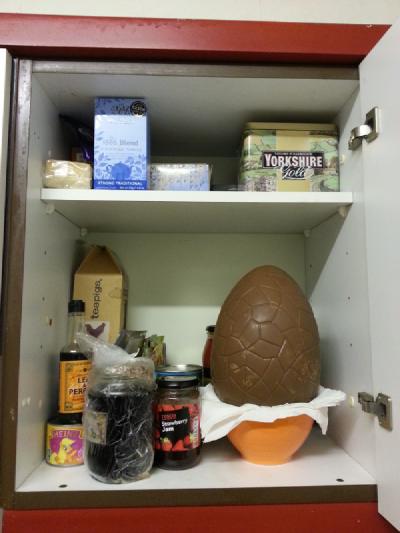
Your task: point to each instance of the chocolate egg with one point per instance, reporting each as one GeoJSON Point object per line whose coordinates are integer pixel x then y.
{"type": "Point", "coordinates": [266, 343]}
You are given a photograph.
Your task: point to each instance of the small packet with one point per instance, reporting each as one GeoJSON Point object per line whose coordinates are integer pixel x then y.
{"type": "Point", "coordinates": [82, 135]}
{"type": "Point", "coordinates": [154, 349]}
{"type": "Point", "coordinates": [60, 174]}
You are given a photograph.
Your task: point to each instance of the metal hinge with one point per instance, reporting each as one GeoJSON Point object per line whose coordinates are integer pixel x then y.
{"type": "Point", "coordinates": [381, 407]}
{"type": "Point", "coordinates": [368, 131]}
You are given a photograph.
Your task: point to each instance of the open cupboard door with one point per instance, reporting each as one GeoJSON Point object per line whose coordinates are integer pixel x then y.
{"type": "Point", "coordinates": [5, 88]}
{"type": "Point", "coordinates": [380, 87]}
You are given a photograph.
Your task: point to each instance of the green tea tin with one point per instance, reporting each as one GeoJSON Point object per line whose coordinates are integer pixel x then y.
{"type": "Point", "coordinates": [280, 156]}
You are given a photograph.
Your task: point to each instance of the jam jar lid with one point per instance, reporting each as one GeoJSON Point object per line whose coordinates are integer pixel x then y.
{"type": "Point", "coordinates": [180, 370]}
{"type": "Point", "coordinates": [177, 382]}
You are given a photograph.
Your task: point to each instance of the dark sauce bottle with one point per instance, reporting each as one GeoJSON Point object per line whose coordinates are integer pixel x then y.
{"type": "Point", "coordinates": [73, 368]}
{"type": "Point", "coordinates": [207, 351]}
{"type": "Point", "coordinates": [64, 432]}
{"type": "Point", "coordinates": [177, 438]}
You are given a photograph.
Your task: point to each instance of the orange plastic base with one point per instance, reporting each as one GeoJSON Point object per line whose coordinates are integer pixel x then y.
{"type": "Point", "coordinates": [271, 443]}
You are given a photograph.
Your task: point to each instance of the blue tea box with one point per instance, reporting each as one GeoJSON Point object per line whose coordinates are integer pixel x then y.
{"type": "Point", "coordinates": [120, 144]}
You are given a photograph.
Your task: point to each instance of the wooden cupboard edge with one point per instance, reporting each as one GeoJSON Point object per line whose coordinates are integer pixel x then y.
{"type": "Point", "coordinates": [330, 518]}
{"type": "Point", "coordinates": [13, 270]}
{"type": "Point", "coordinates": [117, 38]}
{"type": "Point", "coordinates": [195, 497]}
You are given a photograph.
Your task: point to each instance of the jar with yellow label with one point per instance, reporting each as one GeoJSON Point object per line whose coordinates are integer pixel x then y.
{"type": "Point", "coordinates": [64, 442]}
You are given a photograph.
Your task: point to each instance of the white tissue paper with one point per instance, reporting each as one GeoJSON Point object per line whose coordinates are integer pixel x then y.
{"type": "Point", "coordinates": [219, 418]}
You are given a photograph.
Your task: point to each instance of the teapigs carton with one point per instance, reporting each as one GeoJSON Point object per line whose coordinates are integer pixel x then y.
{"type": "Point", "coordinates": [102, 284]}
{"type": "Point", "coordinates": [120, 143]}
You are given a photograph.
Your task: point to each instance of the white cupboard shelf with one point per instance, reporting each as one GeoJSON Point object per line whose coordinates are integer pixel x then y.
{"type": "Point", "coordinates": [195, 212]}
{"type": "Point", "coordinates": [221, 467]}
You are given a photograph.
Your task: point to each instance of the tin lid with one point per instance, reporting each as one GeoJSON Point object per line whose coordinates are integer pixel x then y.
{"type": "Point", "coordinates": [177, 382]}
{"type": "Point", "coordinates": [293, 126]}
{"type": "Point", "coordinates": [179, 370]}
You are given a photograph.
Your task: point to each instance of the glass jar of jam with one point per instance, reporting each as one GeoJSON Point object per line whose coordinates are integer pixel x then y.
{"type": "Point", "coordinates": [207, 353]}
{"type": "Point", "coordinates": [177, 438]}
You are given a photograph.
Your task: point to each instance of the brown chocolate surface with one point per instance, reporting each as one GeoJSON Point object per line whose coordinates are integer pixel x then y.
{"type": "Point", "coordinates": [266, 342]}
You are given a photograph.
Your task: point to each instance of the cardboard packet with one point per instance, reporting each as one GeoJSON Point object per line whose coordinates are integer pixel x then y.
{"type": "Point", "coordinates": [102, 284]}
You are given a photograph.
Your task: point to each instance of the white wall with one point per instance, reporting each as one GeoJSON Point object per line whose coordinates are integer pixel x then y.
{"type": "Point", "coordinates": [339, 11]}
{"type": "Point", "coordinates": [178, 282]}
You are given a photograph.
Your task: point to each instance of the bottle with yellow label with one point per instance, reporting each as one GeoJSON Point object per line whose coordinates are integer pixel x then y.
{"type": "Point", "coordinates": [74, 365]}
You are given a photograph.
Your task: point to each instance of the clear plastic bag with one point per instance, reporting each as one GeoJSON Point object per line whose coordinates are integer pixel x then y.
{"type": "Point", "coordinates": [67, 175]}
{"type": "Point", "coordinates": [118, 415]}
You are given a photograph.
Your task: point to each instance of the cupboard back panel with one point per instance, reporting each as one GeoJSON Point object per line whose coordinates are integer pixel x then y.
{"type": "Point", "coordinates": [177, 282]}
{"type": "Point", "coordinates": [203, 113]}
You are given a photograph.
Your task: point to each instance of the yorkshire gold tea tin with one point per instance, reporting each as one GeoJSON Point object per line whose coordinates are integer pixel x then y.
{"type": "Point", "coordinates": [280, 156]}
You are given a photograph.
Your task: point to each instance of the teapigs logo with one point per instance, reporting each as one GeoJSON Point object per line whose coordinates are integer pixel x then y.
{"type": "Point", "coordinates": [98, 289]}
{"type": "Point", "coordinates": [293, 164]}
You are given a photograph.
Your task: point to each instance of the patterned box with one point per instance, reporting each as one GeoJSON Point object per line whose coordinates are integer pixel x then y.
{"type": "Point", "coordinates": [120, 144]}
{"type": "Point", "coordinates": [180, 177]}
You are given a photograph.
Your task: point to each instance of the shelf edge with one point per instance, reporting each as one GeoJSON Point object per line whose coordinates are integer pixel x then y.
{"type": "Point", "coordinates": [210, 197]}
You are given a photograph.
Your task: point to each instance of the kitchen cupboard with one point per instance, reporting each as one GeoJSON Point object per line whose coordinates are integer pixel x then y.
{"type": "Point", "coordinates": [183, 252]}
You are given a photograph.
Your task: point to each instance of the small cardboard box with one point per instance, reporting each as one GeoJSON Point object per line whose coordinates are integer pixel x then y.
{"type": "Point", "coordinates": [102, 284]}
{"type": "Point", "coordinates": [120, 144]}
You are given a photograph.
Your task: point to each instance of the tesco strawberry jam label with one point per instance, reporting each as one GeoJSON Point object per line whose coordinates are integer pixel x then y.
{"type": "Point", "coordinates": [177, 438]}
{"type": "Point", "coordinates": [177, 428]}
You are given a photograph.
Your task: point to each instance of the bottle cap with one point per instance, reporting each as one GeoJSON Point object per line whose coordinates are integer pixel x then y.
{"type": "Point", "coordinates": [210, 329]}
{"type": "Point", "coordinates": [76, 306]}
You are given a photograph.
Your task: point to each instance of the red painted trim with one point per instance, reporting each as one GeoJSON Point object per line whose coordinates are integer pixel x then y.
{"type": "Point", "coordinates": [326, 518]}
{"type": "Point", "coordinates": [49, 36]}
